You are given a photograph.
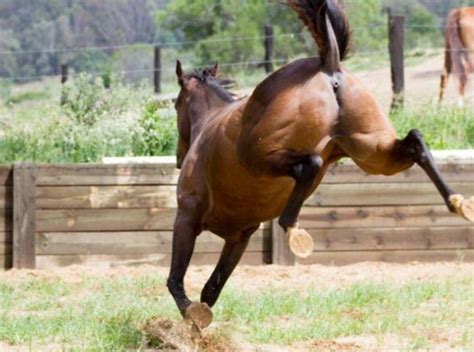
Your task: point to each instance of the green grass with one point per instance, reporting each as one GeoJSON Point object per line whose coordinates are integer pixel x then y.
{"type": "Point", "coordinates": [28, 96]}
{"type": "Point", "coordinates": [107, 313]}
{"type": "Point", "coordinates": [445, 127]}
{"type": "Point", "coordinates": [361, 309]}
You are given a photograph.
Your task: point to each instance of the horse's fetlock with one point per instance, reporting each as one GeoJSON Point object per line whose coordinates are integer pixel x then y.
{"type": "Point", "coordinates": [285, 222]}
{"type": "Point", "coordinates": [209, 294]}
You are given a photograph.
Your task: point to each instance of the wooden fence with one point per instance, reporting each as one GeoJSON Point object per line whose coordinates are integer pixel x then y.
{"type": "Point", "coordinates": [108, 215]}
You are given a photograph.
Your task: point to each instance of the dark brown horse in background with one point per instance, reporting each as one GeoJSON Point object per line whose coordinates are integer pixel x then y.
{"type": "Point", "coordinates": [459, 53]}
{"type": "Point", "coordinates": [247, 161]}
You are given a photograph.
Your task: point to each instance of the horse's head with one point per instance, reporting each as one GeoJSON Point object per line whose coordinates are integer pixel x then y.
{"type": "Point", "coordinates": [201, 92]}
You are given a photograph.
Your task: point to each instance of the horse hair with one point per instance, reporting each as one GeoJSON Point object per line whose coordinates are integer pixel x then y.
{"type": "Point", "coordinates": [218, 85]}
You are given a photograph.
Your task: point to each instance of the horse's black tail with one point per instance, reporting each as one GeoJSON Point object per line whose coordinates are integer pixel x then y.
{"type": "Point", "coordinates": [329, 26]}
{"type": "Point", "coordinates": [455, 50]}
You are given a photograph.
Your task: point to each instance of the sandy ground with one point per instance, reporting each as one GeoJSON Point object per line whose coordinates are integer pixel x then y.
{"type": "Point", "coordinates": [260, 278]}
{"type": "Point", "coordinates": [422, 83]}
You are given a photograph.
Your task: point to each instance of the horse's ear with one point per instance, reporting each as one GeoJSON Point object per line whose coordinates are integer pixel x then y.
{"type": "Point", "coordinates": [179, 70]}
{"type": "Point", "coordinates": [214, 70]}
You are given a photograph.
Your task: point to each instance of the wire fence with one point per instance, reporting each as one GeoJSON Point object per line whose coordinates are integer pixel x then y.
{"type": "Point", "coordinates": [188, 42]}
{"type": "Point", "coordinates": [181, 44]}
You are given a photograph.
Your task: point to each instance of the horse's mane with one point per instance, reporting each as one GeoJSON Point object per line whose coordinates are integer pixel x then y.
{"type": "Point", "coordinates": [218, 85]}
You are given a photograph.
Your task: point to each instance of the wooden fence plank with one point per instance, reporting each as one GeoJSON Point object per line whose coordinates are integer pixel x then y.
{"type": "Point", "coordinates": [150, 242]}
{"type": "Point", "coordinates": [6, 175]}
{"type": "Point", "coordinates": [281, 253]}
{"type": "Point", "coordinates": [167, 174]}
{"type": "Point", "coordinates": [107, 261]}
{"type": "Point", "coordinates": [24, 184]}
{"type": "Point", "coordinates": [6, 248]}
{"type": "Point", "coordinates": [6, 262]}
{"type": "Point", "coordinates": [347, 258]}
{"type": "Point", "coordinates": [386, 216]}
{"type": "Point", "coordinates": [6, 236]}
{"type": "Point", "coordinates": [105, 220]}
{"type": "Point", "coordinates": [366, 194]}
{"type": "Point", "coordinates": [114, 197]}
{"type": "Point", "coordinates": [349, 173]}
{"type": "Point", "coordinates": [6, 197]}
{"type": "Point", "coordinates": [415, 238]}
{"type": "Point", "coordinates": [96, 220]}
{"type": "Point", "coordinates": [6, 216]}
{"type": "Point", "coordinates": [106, 197]}
{"type": "Point", "coordinates": [94, 175]}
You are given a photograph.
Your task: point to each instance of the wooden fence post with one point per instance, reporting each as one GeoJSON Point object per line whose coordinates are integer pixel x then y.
{"type": "Point", "coordinates": [281, 253]}
{"type": "Point", "coordinates": [157, 70]}
{"type": "Point", "coordinates": [24, 209]}
{"type": "Point", "coordinates": [64, 73]}
{"type": "Point", "coordinates": [64, 78]}
{"type": "Point", "coordinates": [396, 31]}
{"type": "Point", "coordinates": [268, 49]}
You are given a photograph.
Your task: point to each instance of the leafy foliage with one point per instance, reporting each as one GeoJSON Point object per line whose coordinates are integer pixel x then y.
{"type": "Point", "coordinates": [203, 24]}
{"type": "Point", "coordinates": [159, 132]}
{"type": "Point", "coordinates": [94, 122]}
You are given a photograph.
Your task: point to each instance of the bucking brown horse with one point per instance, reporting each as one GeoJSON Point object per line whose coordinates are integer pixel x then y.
{"type": "Point", "coordinates": [251, 160]}
{"type": "Point", "coordinates": [459, 49]}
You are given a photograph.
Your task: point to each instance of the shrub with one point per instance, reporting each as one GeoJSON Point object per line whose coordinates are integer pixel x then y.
{"type": "Point", "coordinates": [95, 122]}
{"type": "Point", "coordinates": [159, 131]}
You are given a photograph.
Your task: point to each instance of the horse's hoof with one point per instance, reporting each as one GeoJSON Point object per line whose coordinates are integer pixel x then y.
{"type": "Point", "coordinates": [462, 206]}
{"type": "Point", "coordinates": [301, 243]}
{"type": "Point", "coordinates": [199, 314]}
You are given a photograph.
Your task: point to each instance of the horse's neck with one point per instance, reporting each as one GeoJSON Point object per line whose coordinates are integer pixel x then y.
{"type": "Point", "coordinates": [213, 108]}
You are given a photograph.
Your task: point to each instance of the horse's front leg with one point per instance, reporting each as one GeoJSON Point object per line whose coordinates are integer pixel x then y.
{"type": "Point", "coordinates": [413, 148]}
{"type": "Point", "coordinates": [231, 254]}
{"type": "Point", "coordinates": [187, 227]}
{"type": "Point", "coordinates": [304, 173]}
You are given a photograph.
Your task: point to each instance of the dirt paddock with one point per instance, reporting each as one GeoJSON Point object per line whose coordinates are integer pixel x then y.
{"type": "Point", "coordinates": [258, 278]}
{"type": "Point", "coordinates": [255, 280]}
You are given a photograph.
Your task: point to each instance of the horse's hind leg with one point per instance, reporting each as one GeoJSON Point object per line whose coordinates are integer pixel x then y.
{"type": "Point", "coordinates": [413, 148]}
{"type": "Point", "coordinates": [378, 155]}
{"type": "Point", "coordinates": [230, 257]}
{"type": "Point", "coordinates": [445, 76]}
{"type": "Point", "coordinates": [463, 78]}
{"type": "Point", "coordinates": [443, 84]}
{"type": "Point", "coordinates": [186, 229]}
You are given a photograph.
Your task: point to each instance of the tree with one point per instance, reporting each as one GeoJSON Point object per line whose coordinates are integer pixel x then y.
{"type": "Point", "coordinates": [230, 31]}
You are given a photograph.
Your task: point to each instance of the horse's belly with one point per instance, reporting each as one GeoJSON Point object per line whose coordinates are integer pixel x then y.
{"type": "Point", "coordinates": [246, 203]}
